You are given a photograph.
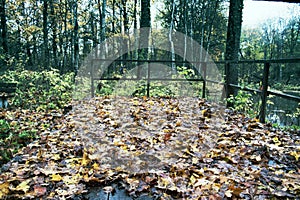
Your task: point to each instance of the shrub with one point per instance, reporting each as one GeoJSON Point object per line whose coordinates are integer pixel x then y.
{"type": "Point", "coordinates": [40, 90]}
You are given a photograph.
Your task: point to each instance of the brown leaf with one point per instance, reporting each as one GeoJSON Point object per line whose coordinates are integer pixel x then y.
{"type": "Point", "coordinates": [39, 190]}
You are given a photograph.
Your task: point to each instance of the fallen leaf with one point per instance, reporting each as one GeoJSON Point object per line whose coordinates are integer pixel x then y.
{"type": "Point", "coordinates": [39, 190]}
{"type": "Point", "coordinates": [228, 193]}
{"type": "Point", "coordinates": [56, 177]}
{"type": "Point", "coordinates": [23, 186]}
{"type": "Point", "coordinates": [4, 189]}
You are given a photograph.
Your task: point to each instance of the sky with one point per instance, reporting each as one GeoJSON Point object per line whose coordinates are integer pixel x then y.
{"type": "Point", "coordinates": [256, 12]}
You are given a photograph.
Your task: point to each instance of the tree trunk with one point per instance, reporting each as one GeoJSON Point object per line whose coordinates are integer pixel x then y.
{"type": "Point", "coordinates": [170, 37]}
{"type": "Point", "coordinates": [136, 42]}
{"type": "Point", "coordinates": [76, 43]}
{"type": "Point", "coordinates": [54, 32]}
{"type": "Point", "coordinates": [3, 26]}
{"type": "Point", "coordinates": [233, 45]}
{"type": "Point", "coordinates": [45, 34]}
{"type": "Point", "coordinates": [103, 24]}
{"type": "Point", "coordinates": [126, 31]}
{"type": "Point", "coordinates": [145, 24]}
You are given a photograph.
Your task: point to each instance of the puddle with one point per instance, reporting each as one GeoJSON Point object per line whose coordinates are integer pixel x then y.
{"type": "Point", "coordinates": [97, 193]}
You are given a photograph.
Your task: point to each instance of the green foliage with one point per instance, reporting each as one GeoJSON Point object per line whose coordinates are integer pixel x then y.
{"type": "Point", "coordinates": [290, 128]}
{"type": "Point", "coordinates": [243, 102]}
{"type": "Point", "coordinates": [13, 137]}
{"type": "Point", "coordinates": [4, 128]}
{"type": "Point", "coordinates": [296, 113]}
{"type": "Point", "coordinates": [184, 71]}
{"type": "Point", "coordinates": [107, 87]}
{"type": "Point", "coordinates": [157, 89]}
{"type": "Point", "coordinates": [40, 92]}
{"type": "Point", "coordinates": [46, 90]}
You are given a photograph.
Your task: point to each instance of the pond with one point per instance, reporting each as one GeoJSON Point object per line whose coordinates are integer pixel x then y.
{"type": "Point", "coordinates": [282, 111]}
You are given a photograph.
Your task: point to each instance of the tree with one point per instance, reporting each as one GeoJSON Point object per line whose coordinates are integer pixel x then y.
{"type": "Point", "coordinates": [202, 20]}
{"type": "Point", "coordinates": [145, 24]}
{"type": "Point", "coordinates": [3, 26]}
{"type": "Point", "coordinates": [75, 37]}
{"type": "Point", "coordinates": [233, 45]}
{"type": "Point", "coordinates": [54, 33]}
{"type": "Point", "coordinates": [45, 34]}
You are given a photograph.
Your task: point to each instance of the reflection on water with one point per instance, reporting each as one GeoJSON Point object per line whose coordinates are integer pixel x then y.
{"type": "Point", "coordinates": [282, 111]}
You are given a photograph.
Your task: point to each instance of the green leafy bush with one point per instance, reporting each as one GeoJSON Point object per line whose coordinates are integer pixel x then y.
{"type": "Point", "coordinates": [243, 102]}
{"type": "Point", "coordinates": [4, 128]}
{"type": "Point", "coordinates": [44, 90]}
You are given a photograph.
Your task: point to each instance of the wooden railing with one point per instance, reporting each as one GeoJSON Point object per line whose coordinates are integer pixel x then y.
{"type": "Point", "coordinates": [264, 79]}
{"type": "Point", "coordinates": [265, 82]}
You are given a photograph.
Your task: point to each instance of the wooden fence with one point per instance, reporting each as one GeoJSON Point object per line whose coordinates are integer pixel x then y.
{"type": "Point", "coordinates": [264, 79]}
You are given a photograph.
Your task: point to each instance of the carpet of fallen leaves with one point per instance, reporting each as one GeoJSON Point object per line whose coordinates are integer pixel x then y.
{"type": "Point", "coordinates": [177, 148]}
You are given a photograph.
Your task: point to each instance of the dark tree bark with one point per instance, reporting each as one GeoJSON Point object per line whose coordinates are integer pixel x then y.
{"type": "Point", "coordinates": [54, 32]}
{"type": "Point", "coordinates": [64, 36]}
{"type": "Point", "coordinates": [76, 42]}
{"type": "Point", "coordinates": [233, 45]}
{"type": "Point", "coordinates": [3, 26]}
{"type": "Point", "coordinates": [145, 14]}
{"type": "Point", "coordinates": [93, 30]}
{"type": "Point", "coordinates": [134, 54]}
{"type": "Point", "coordinates": [102, 14]}
{"type": "Point", "coordinates": [135, 15]}
{"type": "Point", "coordinates": [145, 24]}
{"type": "Point", "coordinates": [45, 34]}
{"type": "Point", "coordinates": [114, 16]}
{"type": "Point", "coordinates": [126, 28]}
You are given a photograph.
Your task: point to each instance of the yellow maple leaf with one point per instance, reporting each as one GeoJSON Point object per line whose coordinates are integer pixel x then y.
{"type": "Point", "coordinates": [56, 157]}
{"type": "Point", "coordinates": [96, 166]}
{"type": "Point", "coordinates": [56, 177]}
{"type": "Point", "coordinates": [23, 186]}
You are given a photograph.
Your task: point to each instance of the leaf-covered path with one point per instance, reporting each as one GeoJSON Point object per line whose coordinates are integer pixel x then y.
{"type": "Point", "coordinates": [163, 148]}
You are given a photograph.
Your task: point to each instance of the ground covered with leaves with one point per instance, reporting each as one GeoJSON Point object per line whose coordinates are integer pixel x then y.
{"type": "Point", "coordinates": [155, 148]}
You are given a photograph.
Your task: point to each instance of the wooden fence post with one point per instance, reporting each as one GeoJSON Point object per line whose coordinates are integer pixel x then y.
{"type": "Point", "coordinates": [92, 80]}
{"type": "Point", "coordinates": [204, 80]}
{"type": "Point", "coordinates": [148, 79]}
{"type": "Point", "coordinates": [227, 84]}
{"type": "Point", "coordinates": [264, 94]}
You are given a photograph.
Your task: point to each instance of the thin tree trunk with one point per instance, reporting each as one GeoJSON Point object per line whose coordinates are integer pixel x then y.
{"type": "Point", "coordinates": [65, 38]}
{"type": "Point", "coordinates": [113, 16]}
{"type": "Point", "coordinates": [136, 44]}
{"type": "Point", "coordinates": [3, 26]}
{"type": "Point", "coordinates": [192, 30]}
{"type": "Point", "coordinates": [185, 31]}
{"type": "Point", "coordinates": [76, 43]}
{"type": "Point", "coordinates": [170, 37]}
{"type": "Point", "coordinates": [208, 40]}
{"type": "Point", "coordinates": [103, 15]}
{"type": "Point", "coordinates": [203, 24]}
{"type": "Point", "coordinates": [93, 30]}
{"type": "Point", "coordinates": [45, 34]}
{"type": "Point", "coordinates": [126, 31]}
{"type": "Point", "coordinates": [54, 32]}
